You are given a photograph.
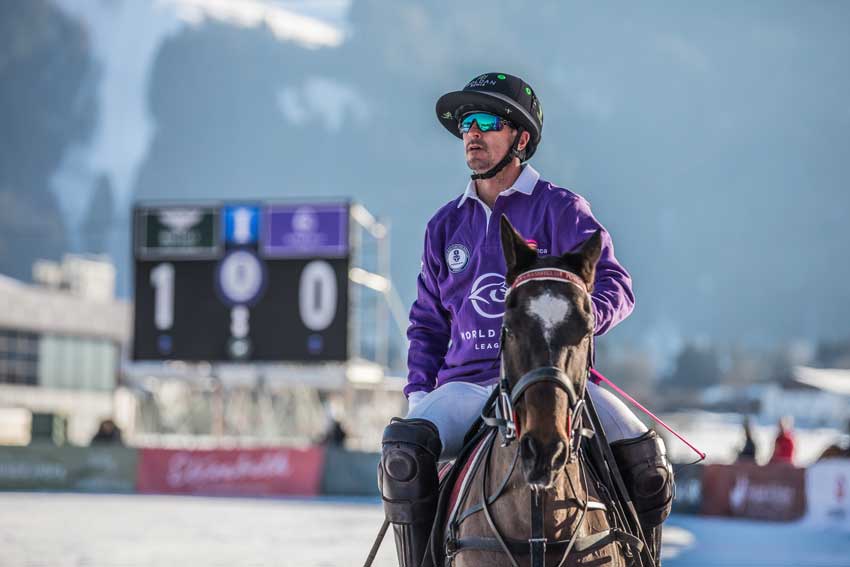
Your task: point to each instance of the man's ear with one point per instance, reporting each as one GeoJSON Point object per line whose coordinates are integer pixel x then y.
{"type": "Point", "coordinates": [519, 256]}
{"type": "Point", "coordinates": [589, 253]}
{"type": "Point", "coordinates": [523, 140]}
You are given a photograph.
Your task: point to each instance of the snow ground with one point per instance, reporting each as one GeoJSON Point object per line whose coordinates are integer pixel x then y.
{"type": "Point", "coordinates": [82, 530]}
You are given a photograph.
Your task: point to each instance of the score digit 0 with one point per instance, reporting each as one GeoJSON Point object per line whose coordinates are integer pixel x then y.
{"type": "Point", "coordinates": [317, 295]}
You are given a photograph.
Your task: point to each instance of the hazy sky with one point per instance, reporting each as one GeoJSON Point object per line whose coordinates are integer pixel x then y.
{"type": "Point", "coordinates": [710, 138]}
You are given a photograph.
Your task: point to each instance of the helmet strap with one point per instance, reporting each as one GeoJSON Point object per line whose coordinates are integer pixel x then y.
{"type": "Point", "coordinates": [509, 157]}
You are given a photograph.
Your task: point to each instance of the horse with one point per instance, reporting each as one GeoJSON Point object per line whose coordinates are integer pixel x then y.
{"type": "Point", "coordinates": [553, 508]}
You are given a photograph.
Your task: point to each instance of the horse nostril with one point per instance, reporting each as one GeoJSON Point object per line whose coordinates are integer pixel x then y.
{"type": "Point", "coordinates": [528, 448]}
{"type": "Point", "coordinates": [559, 458]}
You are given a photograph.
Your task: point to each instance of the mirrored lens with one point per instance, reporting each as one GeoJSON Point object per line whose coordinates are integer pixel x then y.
{"type": "Point", "coordinates": [485, 121]}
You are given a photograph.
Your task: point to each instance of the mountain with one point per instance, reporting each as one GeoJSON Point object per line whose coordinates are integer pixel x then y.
{"type": "Point", "coordinates": [710, 139]}
{"type": "Point", "coordinates": [47, 106]}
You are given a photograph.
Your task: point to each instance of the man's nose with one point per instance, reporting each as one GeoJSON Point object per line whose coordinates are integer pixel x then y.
{"type": "Point", "coordinates": [474, 131]}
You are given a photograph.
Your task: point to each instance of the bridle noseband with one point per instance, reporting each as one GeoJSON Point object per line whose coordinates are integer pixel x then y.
{"type": "Point", "coordinates": [549, 374]}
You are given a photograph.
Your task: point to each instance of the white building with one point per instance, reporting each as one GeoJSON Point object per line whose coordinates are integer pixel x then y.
{"type": "Point", "coordinates": [61, 341]}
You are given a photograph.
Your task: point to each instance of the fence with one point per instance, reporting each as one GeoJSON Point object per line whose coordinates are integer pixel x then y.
{"type": "Point", "coordinates": [819, 494]}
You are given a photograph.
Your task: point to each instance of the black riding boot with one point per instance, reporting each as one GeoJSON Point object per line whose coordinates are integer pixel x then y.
{"type": "Point", "coordinates": [407, 477]}
{"type": "Point", "coordinates": [648, 476]}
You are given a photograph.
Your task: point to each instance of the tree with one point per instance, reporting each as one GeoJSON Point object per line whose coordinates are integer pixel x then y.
{"type": "Point", "coordinates": [696, 367]}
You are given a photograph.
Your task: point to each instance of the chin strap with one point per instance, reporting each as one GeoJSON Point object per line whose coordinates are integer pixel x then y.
{"type": "Point", "coordinates": [512, 153]}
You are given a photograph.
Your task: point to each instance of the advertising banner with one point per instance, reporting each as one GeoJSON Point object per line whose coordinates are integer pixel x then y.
{"type": "Point", "coordinates": [299, 231]}
{"type": "Point", "coordinates": [177, 232]}
{"type": "Point", "coordinates": [350, 473]}
{"type": "Point", "coordinates": [828, 493]}
{"type": "Point", "coordinates": [773, 492]}
{"type": "Point", "coordinates": [241, 224]}
{"type": "Point", "coordinates": [688, 498]}
{"type": "Point", "coordinates": [87, 469]}
{"type": "Point", "coordinates": [242, 472]}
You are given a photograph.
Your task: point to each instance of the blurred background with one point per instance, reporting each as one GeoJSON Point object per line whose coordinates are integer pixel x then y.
{"type": "Point", "coordinates": [710, 139]}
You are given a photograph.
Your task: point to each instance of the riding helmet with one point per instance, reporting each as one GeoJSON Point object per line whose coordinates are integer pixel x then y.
{"type": "Point", "coordinates": [497, 93]}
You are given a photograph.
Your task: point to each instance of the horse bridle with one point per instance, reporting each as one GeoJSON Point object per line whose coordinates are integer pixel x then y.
{"type": "Point", "coordinates": [506, 419]}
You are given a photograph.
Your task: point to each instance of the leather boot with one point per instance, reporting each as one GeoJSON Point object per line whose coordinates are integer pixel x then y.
{"type": "Point", "coordinates": [648, 477]}
{"type": "Point", "coordinates": [407, 477]}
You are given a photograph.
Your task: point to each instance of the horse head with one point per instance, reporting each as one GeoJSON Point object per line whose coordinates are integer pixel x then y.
{"type": "Point", "coordinates": [547, 333]}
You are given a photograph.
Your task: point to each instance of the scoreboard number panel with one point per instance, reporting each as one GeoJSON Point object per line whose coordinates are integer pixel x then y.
{"type": "Point", "coordinates": [178, 313]}
{"type": "Point", "coordinates": [305, 321]}
{"type": "Point", "coordinates": [210, 293]}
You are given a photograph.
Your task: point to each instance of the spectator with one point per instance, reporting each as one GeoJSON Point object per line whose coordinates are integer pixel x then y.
{"type": "Point", "coordinates": [335, 434]}
{"type": "Point", "coordinates": [107, 434]}
{"type": "Point", "coordinates": [783, 450]}
{"type": "Point", "coordinates": [748, 452]}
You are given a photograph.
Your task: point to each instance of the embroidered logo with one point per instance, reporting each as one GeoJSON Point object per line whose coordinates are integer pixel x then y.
{"type": "Point", "coordinates": [533, 244]}
{"type": "Point", "coordinates": [481, 81]}
{"type": "Point", "coordinates": [457, 258]}
{"type": "Point", "coordinates": [488, 295]}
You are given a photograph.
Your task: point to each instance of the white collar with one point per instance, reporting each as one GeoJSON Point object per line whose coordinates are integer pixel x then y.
{"type": "Point", "coordinates": [525, 183]}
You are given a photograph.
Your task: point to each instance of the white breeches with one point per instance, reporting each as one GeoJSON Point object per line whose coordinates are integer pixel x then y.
{"type": "Point", "coordinates": [453, 408]}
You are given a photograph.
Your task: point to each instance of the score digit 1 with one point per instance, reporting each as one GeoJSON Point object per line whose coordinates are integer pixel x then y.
{"type": "Point", "coordinates": [162, 280]}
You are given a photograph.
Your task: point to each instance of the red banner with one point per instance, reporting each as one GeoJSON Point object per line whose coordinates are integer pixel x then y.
{"type": "Point", "coordinates": [245, 472]}
{"type": "Point", "coordinates": [772, 492]}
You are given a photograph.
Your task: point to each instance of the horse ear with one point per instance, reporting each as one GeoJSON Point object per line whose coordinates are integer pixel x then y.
{"type": "Point", "coordinates": [589, 252]}
{"type": "Point", "coordinates": [519, 256]}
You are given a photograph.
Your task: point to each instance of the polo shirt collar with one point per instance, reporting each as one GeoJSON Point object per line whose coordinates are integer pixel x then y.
{"type": "Point", "coordinates": [525, 183]}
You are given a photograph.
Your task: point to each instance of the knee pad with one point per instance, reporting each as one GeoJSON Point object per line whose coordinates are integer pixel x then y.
{"type": "Point", "coordinates": [407, 473]}
{"type": "Point", "coordinates": [648, 476]}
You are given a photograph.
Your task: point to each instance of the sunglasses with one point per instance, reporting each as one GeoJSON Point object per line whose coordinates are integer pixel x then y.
{"type": "Point", "coordinates": [486, 122]}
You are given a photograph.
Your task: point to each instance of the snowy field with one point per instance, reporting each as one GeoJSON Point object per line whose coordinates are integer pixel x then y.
{"type": "Point", "coordinates": [64, 530]}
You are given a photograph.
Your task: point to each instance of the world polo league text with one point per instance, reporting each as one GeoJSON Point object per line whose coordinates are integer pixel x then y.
{"type": "Point", "coordinates": [476, 334]}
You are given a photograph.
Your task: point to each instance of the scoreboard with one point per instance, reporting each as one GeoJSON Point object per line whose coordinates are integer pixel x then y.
{"type": "Point", "coordinates": [241, 282]}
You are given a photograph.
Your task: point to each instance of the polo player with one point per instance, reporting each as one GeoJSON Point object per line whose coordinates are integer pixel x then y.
{"type": "Point", "coordinates": [455, 321]}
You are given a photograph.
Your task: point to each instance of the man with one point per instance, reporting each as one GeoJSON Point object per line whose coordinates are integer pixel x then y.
{"type": "Point", "coordinates": [783, 448]}
{"type": "Point", "coordinates": [453, 359]}
{"type": "Point", "coordinates": [107, 434]}
{"type": "Point", "coordinates": [748, 451]}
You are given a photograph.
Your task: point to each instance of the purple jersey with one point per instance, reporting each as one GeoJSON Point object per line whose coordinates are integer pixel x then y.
{"type": "Point", "coordinates": [455, 320]}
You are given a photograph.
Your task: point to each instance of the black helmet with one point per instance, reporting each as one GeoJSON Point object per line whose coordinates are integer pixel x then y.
{"type": "Point", "coordinates": [500, 94]}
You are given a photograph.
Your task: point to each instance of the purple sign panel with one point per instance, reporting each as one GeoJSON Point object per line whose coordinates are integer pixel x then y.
{"type": "Point", "coordinates": [300, 231]}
